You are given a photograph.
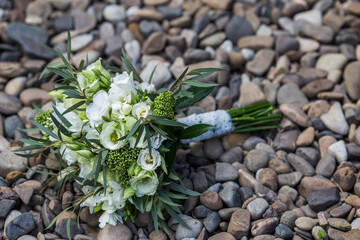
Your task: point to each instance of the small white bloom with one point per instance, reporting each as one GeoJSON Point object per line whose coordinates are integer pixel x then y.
{"type": "Point", "coordinates": [68, 155]}
{"type": "Point", "coordinates": [110, 134]}
{"type": "Point", "coordinates": [119, 95]}
{"type": "Point", "coordinates": [140, 110]}
{"type": "Point", "coordinates": [146, 86]}
{"type": "Point", "coordinates": [85, 169]}
{"type": "Point", "coordinates": [91, 133]}
{"type": "Point", "coordinates": [147, 161]}
{"type": "Point", "coordinates": [98, 108]}
{"type": "Point", "coordinates": [142, 143]}
{"type": "Point", "coordinates": [125, 82]}
{"type": "Point", "coordinates": [157, 140]}
{"type": "Point", "coordinates": [120, 110]}
{"type": "Point", "coordinates": [108, 217]}
{"type": "Point", "coordinates": [72, 117]}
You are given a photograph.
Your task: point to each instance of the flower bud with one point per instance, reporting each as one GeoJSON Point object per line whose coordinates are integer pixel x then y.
{"type": "Point", "coordinates": [72, 146]}
{"type": "Point", "coordinates": [85, 153]}
{"type": "Point", "coordinates": [128, 193]}
{"type": "Point", "coordinates": [137, 170]}
{"type": "Point", "coordinates": [57, 94]}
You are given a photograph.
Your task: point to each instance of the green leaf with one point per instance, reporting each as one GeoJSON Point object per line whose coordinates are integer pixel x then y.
{"type": "Point", "coordinates": [166, 122]}
{"type": "Point", "coordinates": [206, 70]}
{"type": "Point", "coordinates": [68, 48]}
{"type": "Point", "coordinates": [30, 142]}
{"type": "Point", "coordinates": [133, 130]}
{"type": "Point", "coordinates": [59, 72]}
{"type": "Point", "coordinates": [73, 107]}
{"type": "Point", "coordinates": [199, 84]}
{"type": "Point", "coordinates": [175, 84]}
{"type": "Point", "coordinates": [30, 147]}
{"type": "Point", "coordinates": [28, 155]}
{"type": "Point", "coordinates": [104, 170]}
{"type": "Point", "coordinates": [81, 65]}
{"type": "Point", "coordinates": [130, 67]}
{"type": "Point", "coordinates": [195, 131]}
{"type": "Point", "coordinates": [141, 130]}
{"type": "Point", "coordinates": [56, 218]}
{"type": "Point", "coordinates": [165, 199]}
{"type": "Point", "coordinates": [175, 196]}
{"type": "Point", "coordinates": [155, 219]}
{"type": "Point", "coordinates": [176, 217]}
{"type": "Point", "coordinates": [163, 165]}
{"type": "Point", "coordinates": [152, 73]}
{"type": "Point", "coordinates": [62, 118]}
{"type": "Point", "coordinates": [61, 128]}
{"type": "Point", "coordinates": [199, 94]}
{"type": "Point", "coordinates": [181, 189]}
{"type": "Point", "coordinates": [149, 206]}
{"type": "Point", "coordinates": [115, 69]}
{"type": "Point", "coordinates": [46, 130]}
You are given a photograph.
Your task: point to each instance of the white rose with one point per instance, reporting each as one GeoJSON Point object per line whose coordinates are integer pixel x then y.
{"type": "Point", "coordinates": [110, 134]}
{"type": "Point", "coordinates": [125, 82]}
{"type": "Point", "coordinates": [145, 183]}
{"type": "Point", "coordinates": [98, 108]}
{"type": "Point", "coordinates": [140, 110]}
{"type": "Point", "coordinates": [149, 162]}
{"type": "Point", "coordinates": [146, 86]}
{"type": "Point", "coordinates": [157, 140]}
{"type": "Point", "coordinates": [68, 155]}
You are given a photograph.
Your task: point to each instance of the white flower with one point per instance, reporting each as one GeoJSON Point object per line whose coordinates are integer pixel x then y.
{"type": "Point", "coordinates": [147, 161]}
{"type": "Point", "coordinates": [108, 217]}
{"type": "Point", "coordinates": [119, 95]}
{"type": "Point", "coordinates": [140, 110]}
{"type": "Point", "coordinates": [145, 183]}
{"type": "Point", "coordinates": [85, 169]}
{"type": "Point", "coordinates": [98, 108]}
{"type": "Point", "coordinates": [146, 86]}
{"type": "Point", "coordinates": [72, 117]}
{"type": "Point", "coordinates": [110, 134]}
{"type": "Point", "coordinates": [91, 133]}
{"type": "Point", "coordinates": [68, 155]}
{"type": "Point", "coordinates": [142, 143]}
{"type": "Point", "coordinates": [157, 140]}
{"type": "Point", "coordinates": [125, 82]}
{"type": "Point", "coordinates": [121, 109]}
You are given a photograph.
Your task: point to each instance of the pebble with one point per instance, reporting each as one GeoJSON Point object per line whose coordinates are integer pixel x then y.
{"type": "Point", "coordinates": [261, 62]}
{"type": "Point", "coordinates": [305, 223]}
{"type": "Point", "coordinates": [222, 236]}
{"type": "Point", "coordinates": [20, 226]}
{"type": "Point", "coordinates": [211, 200]}
{"type": "Point", "coordinates": [80, 41]}
{"type": "Point", "coordinates": [290, 179]}
{"type": "Point", "coordinates": [322, 199]}
{"type": "Point", "coordinates": [326, 166]}
{"type": "Point", "coordinates": [283, 231]}
{"type": "Point", "coordinates": [236, 23]}
{"type": "Point", "coordinates": [313, 184]}
{"type": "Point", "coordinates": [291, 94]}
{"type": "Point", "coordinates": [335, 120]}
{"type": "Point", "coordinates": [114, 13]}
{"type": "Point", "coordinates": [257, 207]}
{"type": "Point", "coordinates": [182, 232]}
{"type": "Point", "coordinates": [250, 93]}
{"type": "Point", "coordinates": [351, 80]}
{"type": "Point", "coordinates": [233, 155]}
{"type": "Point", "coordinates": [256, 159]}
{"type": "Point", "coordinates": [11, 125]}
{"type": "Point", "coordinates": [15, 86]}
{"type": "Point", "coordinates": [34, 95]}
{"type": "Point", "coordinates": [255, 42]}
{"type": "Point", "coordinates": [344, 176]}
{"type": "Point", "coordinates": [286, 141]}
{"type": "Point", "coordinates": [61, 228]}
{"type": "Point", "coordinates": [225, 172]}
{"type": "Point", "coordinates": [295, 114]}
{"type": "Point", "coordinates": [338, 150]}
{"type": "Point", "coordinates": [212, 221]}
{"type": "Point", "coordinates": [300, 164]}
{"type": "Point", "coordinates": [239, 224]}
{"type": "Point", "coordinates": [6, 205]}
{"type": "Point", "coordinates": [340, 224]}
{"type": "Point", "coordinates": [110, 232]}
{"type": "Point", "coordinates": [160, 77]}
{"type": "Point", "coordinates": [265, 226]}
{"type": "Point", "coordinates": [9, 161]}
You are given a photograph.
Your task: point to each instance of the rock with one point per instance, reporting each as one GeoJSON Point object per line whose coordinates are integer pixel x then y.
{"type": "Point", "coordinates": [154, 43]}
{"type": "Point", "coordinates": [289, 191]}
{"type": "Point", "coordinates": [326, 166]}
{"type": "Point", "coordinates": [182, 232]}
{"type": "Point", "coordinates": [352, 80]}
{"type": "Point", "coordinates": [265, 226]}
{"type": "Point", "coordinates": [353, 8]}
{"type": "Point", "coordinates": [257, 207]}
{"type": "Point", "coordinates": [30, 38]}
{"type": "Point", "coordinates": [308, 45]}
{"type": "Point", "coordinates": [256, 159]}
{"type": "Point", "coordinates": [213, 40]}
{"type": "Point", "coordinates": [211, 200]}
{"type": "Point", "coordinates": [15, 86]}
{"type": "Point", "coordinates": [305, 223]}
{"type": "Point", "coordinates": [341, 211]}
{"type": "Point", "coordinates": [239, 224]}
{"type": "Point", "coordinates": [200, 182]}
{"type": "Point", "coordinates": [312, 16]}
{"type": "Point", "coordinates": [283, 231]}
{"type": "Point", "coordinates": [8, 160]}
{"type": "Point", "coordinates": [255, 42]}
{"type": "Point", "coordinates": [251, 142]}
{"type": "Point", "coordinates": [110, 232]}
{"type": "Point", "coordinates": [6, 205]}
{"type": "Point", "coordinates": [288, 218]}
{"type": "Point", "coordinates": [318, 108]}
{"type": "Point", "coordinates": [345, 177]}
{"type": "Point", "coordinates": [312, 89]}
{"type": "Point", "coordinates": [322, 199]}
{"type": "Point", "coordinates": [250, 93]}
{"type": "Point", "coordinates": [295, 114]}
{"type": "Point", "coordinates": [352, 234]}
{"type": "Point", "coordinates": [335, 234]}
{"type": "Point", "coordinates": [268, 178]}
{"type": "Point", "coordinates": [12, 124]}
{"type": "Point", "coordinates": [212, 221]}
{"type": "Point", "coordinates": [84, 22]}
{"type": "Point", "coordinates": [223, 5]}
{"type": "Point", "coordinates": [161, 75]}
{"type": "Point", "coordinates": [160, 235]}
{"type": "Point", "coordinates": [201, 211]}
{"type": "Point", "coordinates": [286, 43]}
{"type": "Point", "coordinates": [80, 41]}
{"type": "Point", "coordinates": [20, 226]}
{"type": "Point", "coordinates": [306, 137]}
{"type": "Point", "coordinates": [213, 148]}
{"type": "Point", "coordinates": [11, 69]}
{"type": "Point", "coordinates": [132, 49]}
{"type": "Point", "coordinates": [338, 150]}
{"type": "Point", "coordinates": [291, 94]}
{"type": "Point", "coordinates": [26, 189]}
{"type": "Point", "coordinates": [74, 229]}
{"type": "Point", "coordinates": [91, 55]}
{"type": "Point", "coordinates": [300, 164]}
{"type": "Point", "coordinates": [34, 95]}
{"type": "Point", "coordinates": [335, 120]}
{"type": "Point", "coordinates": [261, 62]}
{"type": "Point", "coordinates": [286, 140]}
{"type": "Point", "coordinates": [222, 236]}
{"type": "Point", "coordinates": [236, 23]}
{"type": "Point", "coordinates": [331, 61]}
{"type": "Point", "coordinates": [309, 154]}
{"type": "Point", "coordinates": [225, 172]}
{"type": "Point", "coordinates": [290, 179]}
{"type": "Point", "coordinates": [235, 154]}
{"type": "Point", "coordinates": [340, 224]}
{"type": "Point", "coordinates": [114, 13]}
{"type": "Point", "coordinates": [313, 184]}
{"type": "Point", "coordinates": [315, 232]}
{"type": "Point", "coordinates": [353, 200]}
{"type": "Point", "coordinates": [322, 34]}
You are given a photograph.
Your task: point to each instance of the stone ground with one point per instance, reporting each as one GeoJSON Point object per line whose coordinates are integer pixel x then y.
{"type": "Point", "coordinates": [292, 183]}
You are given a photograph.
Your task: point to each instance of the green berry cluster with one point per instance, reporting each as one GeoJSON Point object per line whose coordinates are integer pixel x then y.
{"type": "Point", "coordinates": [119, 161]}
{"type": "Point", "coordinates": [44, 119]}
{"type": "Point", "coordinates": [163, 105]}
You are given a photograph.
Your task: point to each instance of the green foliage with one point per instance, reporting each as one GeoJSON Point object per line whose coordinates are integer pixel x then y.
{"type": "Point", "coordinates": [119, 161]}
{"type": "Point", "coordinates": [44, 118]}
{"type": "Point", "coordinates": [163, 105]}
{"type": "Point", "coordinates": [321, 235]}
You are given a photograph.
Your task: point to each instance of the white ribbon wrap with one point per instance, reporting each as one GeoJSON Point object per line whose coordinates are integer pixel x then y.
{"type": "Point", "coordinates": [220, 119]}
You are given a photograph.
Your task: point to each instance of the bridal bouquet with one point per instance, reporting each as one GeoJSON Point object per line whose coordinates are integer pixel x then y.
{"type": "Point", "coordinates": [118, 136]}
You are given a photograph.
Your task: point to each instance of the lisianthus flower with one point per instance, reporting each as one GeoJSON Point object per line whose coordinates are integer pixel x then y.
{"type": "Point", "coordinates": [73, 119]}
{"type": "Point", "coordinates": [145, 183]}
{"type": "Point", "coordinates": [149, 162]}
{"type": "Point", "coordinates": [98, 108]}
{"type": "Point", "coordinates": [110, 135]}
{"type": "Point", "coordinates": [140, 110]}
{"type": "Point", "coordinates": [157, 140]}
{"type": "Point", "coordinates": [146, 86]}
{"type": "Point", "coordinates": [125, 82]}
